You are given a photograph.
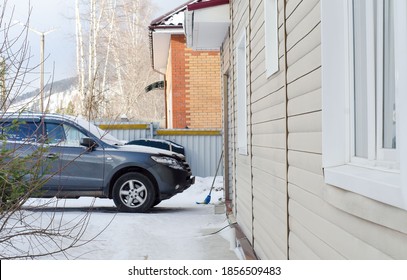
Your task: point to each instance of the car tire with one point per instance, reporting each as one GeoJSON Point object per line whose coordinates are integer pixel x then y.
{"type": "Point", "coordinates": [133, 192]}
{"type": "Point", "coordinates": [156, 202]}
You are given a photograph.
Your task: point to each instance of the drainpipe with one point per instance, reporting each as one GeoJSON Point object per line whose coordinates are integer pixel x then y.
{"type": "Point", "coordinates": [161, 73]}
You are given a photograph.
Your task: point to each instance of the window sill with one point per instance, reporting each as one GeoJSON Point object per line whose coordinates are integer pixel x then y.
{"type": "Point", "coordinates": [376, 184]}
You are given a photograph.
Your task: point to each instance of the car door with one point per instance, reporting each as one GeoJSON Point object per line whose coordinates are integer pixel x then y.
{"type": "Point", "coordinates": [75, 169]}
{"type": "Point", "coordinates": [21, 139]}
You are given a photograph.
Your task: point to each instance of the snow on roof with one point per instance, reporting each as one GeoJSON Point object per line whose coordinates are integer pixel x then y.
{"type": "Point", "coordinates": [172, 18]}
{"type": "Point", "coordinates": [176, 19]}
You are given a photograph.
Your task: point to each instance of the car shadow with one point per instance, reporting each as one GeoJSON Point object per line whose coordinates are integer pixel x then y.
{"type": "Point", "coordinates": [163, 209]}
{"type": "Point", "coordinates": [108, 209]}
{"type": "Point", "coordinates": [96, 209]}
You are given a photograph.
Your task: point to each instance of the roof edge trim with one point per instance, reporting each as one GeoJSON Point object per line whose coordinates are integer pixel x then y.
{"type": "Point", "coordinates": [206, 4]}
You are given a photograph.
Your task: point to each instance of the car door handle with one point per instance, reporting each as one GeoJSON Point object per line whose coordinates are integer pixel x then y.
{"type": "Point", "coordinates": [52, 156]}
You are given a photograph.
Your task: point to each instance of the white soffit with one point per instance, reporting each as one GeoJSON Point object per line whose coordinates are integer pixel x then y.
{"type": "Point", "coordinates": [161, 47]}
{"type": "Point", "coordinates": [209, 27]}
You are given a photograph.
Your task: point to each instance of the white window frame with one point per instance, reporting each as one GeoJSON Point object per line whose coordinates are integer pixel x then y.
{"type": "Point", "coordinates": [241, 89]}
{"type": "Point", "coordinates": [271, 36]}
{"type": "Point", "coordinates": [381, 184]}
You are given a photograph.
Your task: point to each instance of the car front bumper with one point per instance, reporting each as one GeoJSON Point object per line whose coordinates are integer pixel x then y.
{"type": "Point", "coordinates": [171, 181]}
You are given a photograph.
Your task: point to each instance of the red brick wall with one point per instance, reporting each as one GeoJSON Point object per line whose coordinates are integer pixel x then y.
{"type": "Point", "coordinates": [178, 81]}
{"type": "Point", "coordinates": [195, 81]}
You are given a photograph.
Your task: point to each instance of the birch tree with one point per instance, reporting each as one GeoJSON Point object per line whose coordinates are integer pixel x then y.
{"type": "Point", "coordinates": [80, 54]}
{"type": "Point", "coordinates": [117, 68]}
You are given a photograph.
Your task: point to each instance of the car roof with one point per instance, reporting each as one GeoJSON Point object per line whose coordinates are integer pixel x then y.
{"type": "Point", "coordinates": [39, 116]}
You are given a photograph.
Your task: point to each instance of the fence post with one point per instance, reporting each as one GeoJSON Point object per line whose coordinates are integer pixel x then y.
{"type": "Point", "coordinates": [151, 130]}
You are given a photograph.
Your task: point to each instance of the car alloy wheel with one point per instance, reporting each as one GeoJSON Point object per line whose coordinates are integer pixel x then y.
{"type": "Point", "coordinates": [133, 192]}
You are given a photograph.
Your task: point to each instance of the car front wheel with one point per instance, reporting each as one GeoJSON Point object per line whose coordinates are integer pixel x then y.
{"type": "Point", "coordinates": [133, 192]}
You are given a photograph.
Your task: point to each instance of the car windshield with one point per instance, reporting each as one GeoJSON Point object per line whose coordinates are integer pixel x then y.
{"type": "Point", "coordinates": [101, 134]}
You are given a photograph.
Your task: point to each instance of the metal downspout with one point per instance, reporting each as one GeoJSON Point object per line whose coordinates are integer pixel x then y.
{"type": "Point", "coordinates": [157, 71]}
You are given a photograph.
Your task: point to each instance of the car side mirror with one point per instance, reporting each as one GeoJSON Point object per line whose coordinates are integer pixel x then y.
{"type": "Point", "coordinates": [89, 143]}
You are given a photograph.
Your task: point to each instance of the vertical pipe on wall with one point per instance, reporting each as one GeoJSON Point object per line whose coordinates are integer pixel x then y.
{"type": "Point", "coordinates": [286, 127]}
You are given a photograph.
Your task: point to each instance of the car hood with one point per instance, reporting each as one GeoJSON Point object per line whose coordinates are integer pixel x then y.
{"type": "Point", "coordinates": [148, 150]}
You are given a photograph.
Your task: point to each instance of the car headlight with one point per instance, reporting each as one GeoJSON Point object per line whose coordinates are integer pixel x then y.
{"type": "Point", "coordinates": [168, 161]}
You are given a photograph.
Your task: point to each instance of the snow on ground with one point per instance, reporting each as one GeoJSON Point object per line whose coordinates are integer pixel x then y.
{"type": "Point", "coordinates": [176, 229]}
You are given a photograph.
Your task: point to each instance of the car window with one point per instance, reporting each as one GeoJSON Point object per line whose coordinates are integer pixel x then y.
{"type": "Point", "coordinates": [55, 133]}
{"type": "Point", "coordinates": [73, 136]}
{"type": "Point", "coordinates": [23, 131]}
{"type": "Point", "coordinates": [63, 134]}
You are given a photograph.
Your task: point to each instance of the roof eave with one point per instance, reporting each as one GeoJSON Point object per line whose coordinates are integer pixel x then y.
{"type": "Point", "coordinates": [206, 26]}
{"type": "Point", "coordinates": [206, 4]}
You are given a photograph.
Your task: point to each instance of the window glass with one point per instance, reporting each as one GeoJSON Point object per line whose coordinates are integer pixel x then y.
{"type": "Point", "coordinates": [73, 136]}
{"type": "Point", "coordinates": [23, 131]}
{"type": "Point", "coordinates": [389, 104]}
{"type": "Point", "coordinates": [373, 79]}
{"type": "Point", "coordinates": [360, 78]}
{"type": "Point", "coordinates": [55, 133]}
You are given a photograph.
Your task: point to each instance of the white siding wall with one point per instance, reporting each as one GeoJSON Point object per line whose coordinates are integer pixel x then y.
{"type": "Point", "coordinates": [243, 187]}
{"type": "Point", "coordinates": [298, 216]}
{"type": "Point", "coordinates": [260, 177]}
{"type": "Point", "coordinates": [325, 222]}
{"type": "Point", "coordinates": [268, 145]}
{"type": "Point", "coordinates": [227, 89]}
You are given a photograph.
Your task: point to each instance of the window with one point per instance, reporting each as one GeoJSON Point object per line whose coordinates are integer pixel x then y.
{"type": "Point", "coordinates": [55, 133]}
{"type": "Point", "coordinates": [374, 117]}
{"type": "Point", "coordinates": [241, 95]}
{"type": "Point", "coordinates": [271, 36]}
{"type": "Point", "coordinates": [21, 131]}
{"type": "Point", "coordinates": [73, 136]}
{"type": "Point", "coordinates": [63, 134]}
{"type": "Point", "coordinates": [364, 68]}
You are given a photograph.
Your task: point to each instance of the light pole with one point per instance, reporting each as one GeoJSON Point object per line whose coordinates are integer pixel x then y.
{"type": "Point", "coordinates": [42, 35]}
{"type": "Point", "coordinates": [42, 48]}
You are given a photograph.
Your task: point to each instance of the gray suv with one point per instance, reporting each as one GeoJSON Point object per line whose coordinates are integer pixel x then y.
{"type": "Point", "coordinates": [82, 160]}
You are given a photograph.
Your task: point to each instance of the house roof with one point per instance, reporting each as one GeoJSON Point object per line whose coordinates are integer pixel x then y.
{"type": "Point", "coordinates": [171, 18]}
{"type": "Point", "coordinates": [206, 4]}
{"type": "Point", "coordinates": [175, 21]}
{"type": "Point", "coordinates": [206, 24]}
{"type": "Point", "coordinates": [160, 31]}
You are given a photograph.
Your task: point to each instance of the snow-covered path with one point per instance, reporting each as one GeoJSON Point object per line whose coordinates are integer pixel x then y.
{"type": "Point", "coordinates": [176, 229]}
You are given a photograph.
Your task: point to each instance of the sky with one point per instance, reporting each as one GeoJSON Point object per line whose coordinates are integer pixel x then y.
{"type": "Point", "coordinates": [58, 16]}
